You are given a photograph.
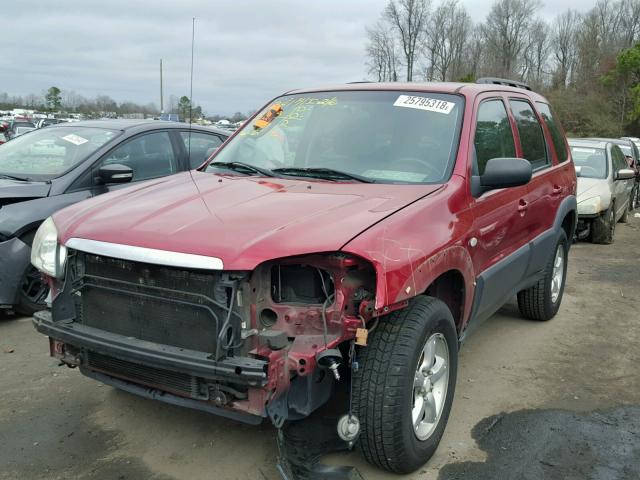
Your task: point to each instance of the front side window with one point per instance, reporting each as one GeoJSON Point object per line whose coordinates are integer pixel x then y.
{"type": "Point", "coordinates": [200, 146]}
{"type": "Point", "coordinates": [590, 162]}
{"type": "Point", "coordinates": [494, 138]}
{"type": "Point", "coordinates": [381, 136]}
{"type": "Point", "coordinates": [48, 153]}
{"type": "Point", "coordinates": [619, 162]}
{"type": "Point", "coordinates": [555, 129]}
{"type": "Point", "coordinates": [149, 156]}
{"type": "Point", "coordinates": [530, 132]}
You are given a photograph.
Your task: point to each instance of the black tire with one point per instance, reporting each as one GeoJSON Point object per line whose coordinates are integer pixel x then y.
{"type": "Point", "coordinates": [634, 201]}
{"type": "Point", "coordinates": [383, 386]}
{"type": "Point", "coordinates": [625, 216]}
{"type": "Point", "coordinates": [32, 294]}
{"type": "Point", "coordinates": [603, 228]}
{"type": "Point", "coordinates": [537, 302]}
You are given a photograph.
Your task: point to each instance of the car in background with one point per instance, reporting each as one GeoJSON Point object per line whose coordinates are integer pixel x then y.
{"type": "Point", "coordinates": [635, 140]}
{"type": "Point", "coordinates": [4, 127]}
{"type": "Point", "coordinates": [632, 155]}
{"type": "Point", "coordinates": [22, 130]}
{"type": "Point", "coordinates": [605, 184]}
{"type": "Point", "coordinates": [19, 127]}
{"type": "Point", "coordinates": [45, 122]}
{"type": "Point", "coordinates": [57, 166]}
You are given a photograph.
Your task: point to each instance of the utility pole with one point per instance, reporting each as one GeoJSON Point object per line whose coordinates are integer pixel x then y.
{"type": "Point", "coordinates": [161, 95]}
{"type": "Point", "coordinates": [193, 36]}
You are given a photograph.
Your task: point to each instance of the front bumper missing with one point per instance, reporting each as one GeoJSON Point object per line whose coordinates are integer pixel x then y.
{"type": "Point", "coordinates": [245, 371]}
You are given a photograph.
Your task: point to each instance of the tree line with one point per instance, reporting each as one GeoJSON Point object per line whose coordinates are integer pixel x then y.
{"type": "Point", "coordinates": [56, 100]}
{"type": "Point", "coordinates": [574, 58]}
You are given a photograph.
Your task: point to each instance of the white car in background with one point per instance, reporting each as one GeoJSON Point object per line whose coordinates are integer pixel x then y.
{"type": "Point", "coordinates": [605, 183]}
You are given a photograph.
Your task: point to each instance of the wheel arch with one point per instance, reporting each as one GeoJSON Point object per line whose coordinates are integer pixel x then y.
{"type": "Point", "coordinates": [450, 287]}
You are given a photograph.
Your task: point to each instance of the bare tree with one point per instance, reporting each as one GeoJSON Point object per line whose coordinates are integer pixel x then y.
{"type": "Point", "coordinates": [630, 22]}
{"type": "Point", "coordinates": [536, 54]}
{"type": "Point", "coordinates": [505, 33]}
{"type": "Point", "coordinates": [409, 18]}
{"type": "Point", "coordinates": [446, 38]}
{"type": "Point", "coordinates": [563, 41]}
{"type": "Point", "coordinates": [382, 52]}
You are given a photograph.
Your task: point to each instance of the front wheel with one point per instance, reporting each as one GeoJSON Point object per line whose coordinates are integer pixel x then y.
{"type": "Point", "coordinates": [403, 390]}
{"type": "Point", "coordinates": [603, 227]}
{"type": "Point", "coordinates": [33, 293]}
{"type": "Point", "coordinates": [542, 300]}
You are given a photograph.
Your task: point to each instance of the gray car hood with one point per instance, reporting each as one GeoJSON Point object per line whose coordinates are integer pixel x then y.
{"type": "Point", "coordinates": [15, 190]}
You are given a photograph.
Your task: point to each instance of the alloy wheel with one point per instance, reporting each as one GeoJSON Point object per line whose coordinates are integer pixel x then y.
{"type": "Point", "coordinates": [558, 274]}
{"type": "Point", "coordinates": [431, 381]}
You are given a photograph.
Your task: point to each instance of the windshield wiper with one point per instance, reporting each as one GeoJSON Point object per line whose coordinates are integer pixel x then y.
{"type": "Point", "coordinates": [12, 177]}
{"type": "Point", "coordinates": [324, 173]}
{"type": "Point", "coordinates": [238, 166]}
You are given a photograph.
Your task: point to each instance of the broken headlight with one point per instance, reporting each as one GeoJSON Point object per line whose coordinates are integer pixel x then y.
{"type": "Point", "coordinates": [47, 255]}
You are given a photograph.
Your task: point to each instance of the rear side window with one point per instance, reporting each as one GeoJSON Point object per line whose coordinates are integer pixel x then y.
{"type": "Point", "coordinates": [202, 146]}
{"type": "Point", "coordinates": [531, 136]}
{"type": "Point", "coordinates": [556, 131]}
{"type": "Point", "coordinates": [494, 138]}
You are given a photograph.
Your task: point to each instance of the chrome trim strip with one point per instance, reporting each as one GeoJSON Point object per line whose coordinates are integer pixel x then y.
{"type": "Point", "coordinates": [145, 255]}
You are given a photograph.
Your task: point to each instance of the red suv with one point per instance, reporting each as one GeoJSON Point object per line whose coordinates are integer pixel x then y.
{"type": "Point", "coordinates": [353, 233]}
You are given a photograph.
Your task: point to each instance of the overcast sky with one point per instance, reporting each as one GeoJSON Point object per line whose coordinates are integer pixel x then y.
{"type": "Point", "coordinates": [246, 51]}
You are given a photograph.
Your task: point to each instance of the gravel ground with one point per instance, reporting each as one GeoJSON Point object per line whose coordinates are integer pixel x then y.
{"type": "Point", "coordinates": [556, 400]}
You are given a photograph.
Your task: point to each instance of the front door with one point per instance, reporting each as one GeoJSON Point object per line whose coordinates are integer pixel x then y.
{"type": "Point", "coordinates": [499, 242]}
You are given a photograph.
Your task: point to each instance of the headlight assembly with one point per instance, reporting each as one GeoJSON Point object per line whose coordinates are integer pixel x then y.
{"type": "Point", "coordinates": [47, 255]}
{"type": "Point", "coordinates": [590, 206]}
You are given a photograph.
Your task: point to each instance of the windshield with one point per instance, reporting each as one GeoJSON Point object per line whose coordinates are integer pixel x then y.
{"type": "Point", "coordinates": [48, 153]}
{"type": "Point", "coordinates": [592, 161]}
{"type": "Point", "coordinates": [382, 136]}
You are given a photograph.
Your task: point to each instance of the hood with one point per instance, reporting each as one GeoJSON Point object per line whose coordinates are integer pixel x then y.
{"type": "Point", "coordinates": [591, 187]}
{"type": "Point", "coordinates": [242, 220]}
{"type": "Point", "coordinates": [13, 191]}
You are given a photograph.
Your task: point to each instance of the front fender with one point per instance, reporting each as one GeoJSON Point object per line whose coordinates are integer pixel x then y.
{"type": "Point", "coordinates": [416, 245]}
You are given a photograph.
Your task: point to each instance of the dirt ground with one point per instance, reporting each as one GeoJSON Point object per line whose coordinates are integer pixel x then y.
{"type": "Point", "coordinates": [556, 400]}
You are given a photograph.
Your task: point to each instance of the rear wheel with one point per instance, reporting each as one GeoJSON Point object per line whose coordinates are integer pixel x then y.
{"type": "Point", "coordinates": [542, 300]}
{"type": "Point", "coordinates": [603, 228]}
{"type": "Point", "coordinates": [33, 293]}
{"type": "Point", "coordinates": [634, 202]}
{"type": "Point", "coordinates": [403, 390]}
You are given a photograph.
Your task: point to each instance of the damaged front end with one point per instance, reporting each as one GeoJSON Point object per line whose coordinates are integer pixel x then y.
{"type": "Point", "coordinates": [244, 345]}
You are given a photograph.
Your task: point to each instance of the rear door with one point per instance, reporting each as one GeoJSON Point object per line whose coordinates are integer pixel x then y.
{"type": "Point", "coordinates": [499, 242]}
{"type": "Point", "coordinates": [621, 188]}
{"type": "Point", "coordinates": [548, 185]}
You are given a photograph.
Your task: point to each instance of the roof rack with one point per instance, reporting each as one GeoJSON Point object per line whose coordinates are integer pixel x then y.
{"type": "Point", "coordinates": [503, 81]}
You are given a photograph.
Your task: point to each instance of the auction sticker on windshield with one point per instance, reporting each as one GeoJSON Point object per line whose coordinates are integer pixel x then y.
{"type": "Point", "coordinates": [424, 103]}
{"type": "Point", "coordinates": [75, 139]}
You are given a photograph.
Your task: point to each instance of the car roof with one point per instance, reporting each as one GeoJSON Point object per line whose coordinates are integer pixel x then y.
{"type": "Point", "coordinates": [617, 141]}
{"type": "Point", "coordinates": [138, 125]}
{"type": "Point", "coordinates": [588, 142]}
{"type": "Point", "coordinates": [469, 89]}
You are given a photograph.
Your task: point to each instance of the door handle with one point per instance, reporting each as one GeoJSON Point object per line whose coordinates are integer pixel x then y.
{"type": "Point", "coordinates": [557, 190]}
{"type": "Point", "coordinates": [523, 205]}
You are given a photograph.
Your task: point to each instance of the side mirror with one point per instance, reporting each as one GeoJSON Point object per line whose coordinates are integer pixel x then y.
{"type": "Point", "coordinates": [625, 174]}
{"type": "Point", "coordinates": [578, 170]}
{"type": "Point", "coordinates": [114, 173]}
{"type": "Point", "coordinates": [502, 173]}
